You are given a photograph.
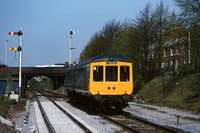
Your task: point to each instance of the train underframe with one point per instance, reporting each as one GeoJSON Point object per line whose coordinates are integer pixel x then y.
{"type": "Point", "coordinates": [101, 103]}
{"type": "Point", "coordinates": [109, 102]}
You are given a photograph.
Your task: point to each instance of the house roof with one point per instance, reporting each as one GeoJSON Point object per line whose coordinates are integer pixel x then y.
{"type": "Point", "coordinates": [175, 41]}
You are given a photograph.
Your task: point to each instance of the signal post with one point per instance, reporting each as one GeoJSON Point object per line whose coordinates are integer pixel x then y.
{"type": "Point", "coordinates": [20, 55]}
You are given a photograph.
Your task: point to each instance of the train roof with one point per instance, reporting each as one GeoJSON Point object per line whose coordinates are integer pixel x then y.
{"type": "Point", "coordinates": [100, 58]}
{"type": "Point", "coordinates": [109, 57]}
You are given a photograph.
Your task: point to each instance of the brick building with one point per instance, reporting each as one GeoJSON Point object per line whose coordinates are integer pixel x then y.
{"type": "Point", "coordinates": [175, 53]}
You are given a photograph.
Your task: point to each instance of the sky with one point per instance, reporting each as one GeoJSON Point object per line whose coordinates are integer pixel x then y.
{"type": "Point", "coordinates": [46, 26]}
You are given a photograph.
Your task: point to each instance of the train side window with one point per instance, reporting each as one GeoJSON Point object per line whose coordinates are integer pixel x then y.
{"type": "Point", "coordinates": [111, 73]}
{"type": "Point", "coordinates": [98, 73]}
{"type": "Point", "coordinates": [124, 73]}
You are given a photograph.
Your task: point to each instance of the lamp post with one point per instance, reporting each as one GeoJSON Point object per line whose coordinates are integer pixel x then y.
{"type": "Point", "coordinates": [70, 47]}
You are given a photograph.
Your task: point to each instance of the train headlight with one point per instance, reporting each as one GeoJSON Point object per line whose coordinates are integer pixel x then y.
{"type": "Point", "coordinates": [111, 58]}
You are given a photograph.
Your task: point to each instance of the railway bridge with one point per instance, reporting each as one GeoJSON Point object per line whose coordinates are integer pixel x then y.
{"type": "Point", "coordinates": [9, 77]}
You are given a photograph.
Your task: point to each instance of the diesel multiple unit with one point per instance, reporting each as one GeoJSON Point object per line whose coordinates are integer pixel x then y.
{"type": "Point", "coordinates": [105, 81]}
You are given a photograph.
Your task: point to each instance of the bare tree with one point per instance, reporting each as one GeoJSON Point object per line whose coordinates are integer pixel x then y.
{"type": "Point", "coordinates": [161, 16]}
{"type": "Point", "coordinates": [144, 25]}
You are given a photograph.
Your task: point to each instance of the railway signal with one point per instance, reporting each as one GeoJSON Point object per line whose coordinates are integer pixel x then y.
{"type": "Point", "coordinates": [20, 55]}
{"type": "Point", "coordinates": [16, 33]}
{"type": "Point", "coordinates": [13, 33]}
{"type": "Point", "coordinates": [13, 48]}
{"type": "Point", "coordinates": [18, 49]}
{"type": "Point", "coordinates": [70, 46]}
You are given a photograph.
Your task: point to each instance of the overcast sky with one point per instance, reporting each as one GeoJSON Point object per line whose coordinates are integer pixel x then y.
{"type": "Point", "coordinates": [46, 25]}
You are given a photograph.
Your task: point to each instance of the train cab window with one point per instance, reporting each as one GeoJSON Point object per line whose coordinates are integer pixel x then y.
{"type": "Point", "coordinates": [124, 73]}
{"type": "Point", "coordinates": [98, 73]}
{"type": "Point", "coordinates": [111, 73]}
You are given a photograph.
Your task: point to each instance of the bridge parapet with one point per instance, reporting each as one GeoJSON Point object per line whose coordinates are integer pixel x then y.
{"type": "Point", "coordinates": [42, 70]}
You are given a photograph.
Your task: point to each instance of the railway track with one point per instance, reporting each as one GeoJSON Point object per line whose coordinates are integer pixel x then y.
{"type": "Point", "coordinates": [52, 123]}
{"type": "Point", "coordinates": [127, 121]}
{"type": "Point", "coordinates": [135, 124]}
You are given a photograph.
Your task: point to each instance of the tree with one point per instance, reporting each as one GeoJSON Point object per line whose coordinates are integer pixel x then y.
{"type": "Point", "coordinates": [190, 16]}
{"type": "Point", "coordinates": [91, 48]}
{"type": "Point", "coordinates": [119, 43]}
{"type": "Point", "coordinates": [161, 23]}
{"type": "Point", "coordinates": [190, 12]}
{"type": "Point", "coordinates": [108, 33]}
{"type": "Point", "coordinates": [145, 36]}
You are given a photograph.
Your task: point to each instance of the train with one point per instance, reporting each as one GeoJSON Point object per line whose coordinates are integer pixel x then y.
{"type": "Point", "coordinates": [105, 81]}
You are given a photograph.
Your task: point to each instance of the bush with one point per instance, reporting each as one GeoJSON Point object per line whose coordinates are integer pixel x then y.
{"type": "Point", "coordinates": [61, 89]}
{"type": "Point", "coordinates": [5, 106]}
{"type": "Point", "coordinates": [185, 69]}
{"type": "Point", "coordinates": [137, 84]}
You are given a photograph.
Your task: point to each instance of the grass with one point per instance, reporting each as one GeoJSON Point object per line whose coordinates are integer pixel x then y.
{"type": "Point", "coordinates": [192, 118]}
{"type": "Point", "coordinates": [149, 108]}
{"type": "Point", "coordinates": [163, 112]}
{"type": "Point", "coordinates": [61, 89]}
{"type": "Point", "coordinates": [178, 92]}
{"type": "Point", "coordinates": [5, 105]}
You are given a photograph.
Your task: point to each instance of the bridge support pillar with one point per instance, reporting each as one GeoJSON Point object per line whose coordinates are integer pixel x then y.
{"type": "Point", "coordinates": [58, 81]}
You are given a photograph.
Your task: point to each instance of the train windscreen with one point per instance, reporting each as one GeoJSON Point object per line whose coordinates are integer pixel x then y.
{"type": "Point", "coordinates": [124, 73]}
{"type": "Point", "coordinates": [111, 73]}
{"type": "Point", "coordinates": [98, 73]}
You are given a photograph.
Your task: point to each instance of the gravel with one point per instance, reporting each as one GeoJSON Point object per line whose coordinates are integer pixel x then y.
{"type": "Point", "coordinates": [93, 120]}
{"type": "Point", "coordinates": [31, 126]}
{"type": "Point", "coordinates": [166, 116]}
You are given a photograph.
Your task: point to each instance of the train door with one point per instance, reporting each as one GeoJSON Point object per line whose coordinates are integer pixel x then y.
{"type": "Point", "coordinates": [2, 87]}
{"type": "Point", "coordinates": [16, 86]}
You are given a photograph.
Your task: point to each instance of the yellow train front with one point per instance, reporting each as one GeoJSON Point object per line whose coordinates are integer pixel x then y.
{"type": "Point", "coordinates": [108, 81]}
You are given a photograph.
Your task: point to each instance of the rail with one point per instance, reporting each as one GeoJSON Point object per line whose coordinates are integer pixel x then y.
{"type": "Point", "coordinates": [138, 125]}
{"type": "Point", "coordinates": [79, 122]}
{"type": "Point", "coordinates": [44, 115]}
